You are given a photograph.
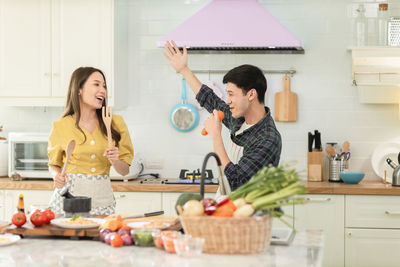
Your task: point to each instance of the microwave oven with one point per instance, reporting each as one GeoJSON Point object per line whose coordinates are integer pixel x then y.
{"type": "Point", "coordinates": [27, 155]}
{"type": "Point", "coordinates": [27, 158]}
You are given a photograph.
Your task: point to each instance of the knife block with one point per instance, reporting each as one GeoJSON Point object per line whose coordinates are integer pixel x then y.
{"type": "Point", "coordinates": [315, 166]}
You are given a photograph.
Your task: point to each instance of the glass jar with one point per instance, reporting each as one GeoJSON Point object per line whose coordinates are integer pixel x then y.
{"type": "Point", "coordinates": [360, 31]}
{"type": "Point", "coordinates": [382, 24]}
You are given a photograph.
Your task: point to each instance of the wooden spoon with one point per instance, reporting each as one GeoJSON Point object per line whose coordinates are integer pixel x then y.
{"type": "Point", "coordinates": [70, 149]}
{"type": "Point", "coordinates": [330, 151]}
{"type": "Point", "coordinates": [346, 146]}
{"type": "Point", "coordinates": [106, 113]}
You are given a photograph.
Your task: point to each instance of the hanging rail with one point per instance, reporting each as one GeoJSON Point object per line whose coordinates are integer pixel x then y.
{"type": "Point", "coordinates": [287, 72]}
{"type": "Point", "coordinates": [372, 73]}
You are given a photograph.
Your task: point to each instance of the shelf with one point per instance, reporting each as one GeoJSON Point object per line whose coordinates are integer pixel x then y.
{"type": "Point", "coordinates": [376, 73]}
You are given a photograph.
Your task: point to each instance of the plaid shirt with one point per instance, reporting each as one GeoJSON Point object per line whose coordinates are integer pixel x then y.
{"type": "Point", "coordinates": [261, 143]}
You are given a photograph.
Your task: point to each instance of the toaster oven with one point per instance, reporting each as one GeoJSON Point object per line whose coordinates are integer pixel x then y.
{"type": "Point", "coordinates": [27, 155]}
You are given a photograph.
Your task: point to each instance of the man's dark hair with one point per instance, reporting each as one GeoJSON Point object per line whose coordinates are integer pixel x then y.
{"type": "Point", "coordinates": [247, 77]}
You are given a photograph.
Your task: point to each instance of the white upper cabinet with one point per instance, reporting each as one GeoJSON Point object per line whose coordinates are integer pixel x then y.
{"type": "Point", "coordinates": [25, 45]}
{"type": "Point", "coordinates": [43, 41]}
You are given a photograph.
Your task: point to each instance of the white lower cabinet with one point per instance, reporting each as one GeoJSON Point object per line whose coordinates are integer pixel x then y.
{"type": "Point", "coordinates": [372, 247]}
{"type": "Point", "coordinates": [324, 212]}
{"type": "Point", "coordinates": [137, 202]}
{"type": "Point", "coordinates": [372, 230]}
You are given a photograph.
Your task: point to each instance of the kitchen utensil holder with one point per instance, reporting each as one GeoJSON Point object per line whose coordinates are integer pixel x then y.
{"type": "Point", "coordinates": [315, 166]}
{"type": "Point", "coordinates": [335, 167]}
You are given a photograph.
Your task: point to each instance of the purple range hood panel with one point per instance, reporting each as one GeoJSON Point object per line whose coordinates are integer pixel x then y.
{"type": "Point", "coordinates": [233, 25]}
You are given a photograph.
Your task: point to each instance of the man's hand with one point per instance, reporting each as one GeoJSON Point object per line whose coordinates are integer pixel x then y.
{"type": "Point", "coordinates": [175, 57]}
{"type": "Point", "coordinates": [213, 125]}
{"type": "Point", "coordinates": [112, 154]}
{"type": "Point", "coordinates": [59, 180]}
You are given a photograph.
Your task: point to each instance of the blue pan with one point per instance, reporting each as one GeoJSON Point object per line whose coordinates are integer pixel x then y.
{"type": "Point", "coordinates": [184, 117]}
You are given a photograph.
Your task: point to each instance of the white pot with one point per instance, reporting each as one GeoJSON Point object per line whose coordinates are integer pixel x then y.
{"type": "Point", "coordinates": [3, 158]}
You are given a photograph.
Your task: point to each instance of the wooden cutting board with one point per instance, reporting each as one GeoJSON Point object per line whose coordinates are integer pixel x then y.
{"type": "Point", "coordinates": [172, 220]}
{"type": "Point", "coordinates": [286, 103]}
{"type": "Point", "coordinates": [51, 230]}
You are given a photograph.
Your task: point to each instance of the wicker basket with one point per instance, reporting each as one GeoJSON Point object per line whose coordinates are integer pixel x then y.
{"type": "Point", "coordinates": [245, 235]}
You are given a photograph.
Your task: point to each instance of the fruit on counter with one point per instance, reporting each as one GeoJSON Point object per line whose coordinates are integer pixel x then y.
{"type": "Point", "coordinates": [49, 215]}
{"type": "Point", "coordinates": [18, 219]}
{"type": "Point", "coordinates": [116, 240]}
{"type": "Point", "coordinates": [185, 197]}
{"type": "Point", "coordinates": [244, 211]}
{"type": "Point", "coordinates": [38, 218]}
{"type": "Point", "coordinates": [193, 208]}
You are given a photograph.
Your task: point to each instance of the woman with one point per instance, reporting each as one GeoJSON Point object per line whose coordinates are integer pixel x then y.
{"type": "Point", "coordinates": [89, 165]}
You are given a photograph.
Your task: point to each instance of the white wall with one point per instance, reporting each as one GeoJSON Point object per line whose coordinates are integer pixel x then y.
{"type": "Point", "coordinates": [327, 100]}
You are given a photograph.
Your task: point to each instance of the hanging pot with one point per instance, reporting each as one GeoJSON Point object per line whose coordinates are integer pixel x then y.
{"type": "Point", "coordinates": [184, 117]}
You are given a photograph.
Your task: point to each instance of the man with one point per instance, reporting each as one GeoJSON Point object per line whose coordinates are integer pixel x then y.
{"type": "Point", "coordinates": [255, 142]}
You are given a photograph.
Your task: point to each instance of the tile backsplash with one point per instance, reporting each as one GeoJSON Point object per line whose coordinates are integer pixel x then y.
{"type": "Point", "coordinates": [326, 99]}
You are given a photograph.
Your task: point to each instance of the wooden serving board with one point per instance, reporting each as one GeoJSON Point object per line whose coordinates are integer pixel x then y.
{"type": "Point", "coordinates": [51, 230]}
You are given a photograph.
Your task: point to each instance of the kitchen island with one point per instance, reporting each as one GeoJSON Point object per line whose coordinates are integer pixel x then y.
{"type": "Point", "coordinates": [305, 250]}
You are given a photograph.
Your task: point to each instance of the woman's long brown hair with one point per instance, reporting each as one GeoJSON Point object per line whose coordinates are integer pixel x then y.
{"type": "Point", "coordinates": [78, 79]}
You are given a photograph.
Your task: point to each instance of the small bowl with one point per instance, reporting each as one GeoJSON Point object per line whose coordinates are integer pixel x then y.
{"type": "Point", "coordinates": [352, 177]}
{"type": "Point", "coordinates": [143, 237]}
{"type": "Point", "coordinates": [186, 245]}
{"type": "Point", "coordinates": [168, 238]}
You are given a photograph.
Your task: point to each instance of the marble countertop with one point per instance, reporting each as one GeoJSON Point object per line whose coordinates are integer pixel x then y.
{"type": "Point", "coordinates": [305, 250]}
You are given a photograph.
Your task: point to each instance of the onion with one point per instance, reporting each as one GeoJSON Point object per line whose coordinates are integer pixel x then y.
{"type": "Point", "coordinates": [102, 234]}
{"type": "Point", "coordinates": [127, 239]}
{"type": "Point", "coordinates": [108, 237]}
{"type": "Point", "coordinates": [193, 208]}
{"type": "Point", "coordinates": [123, 231]}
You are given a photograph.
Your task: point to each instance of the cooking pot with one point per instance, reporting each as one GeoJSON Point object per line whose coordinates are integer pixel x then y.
{"type": "Point", "coordinates": [184, 117]}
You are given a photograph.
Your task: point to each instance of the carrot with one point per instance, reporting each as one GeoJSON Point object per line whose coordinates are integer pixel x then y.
{"type": "Point", "coordinates": [225, 210]}
{"type": "Point", "coordinates": [114, 225]}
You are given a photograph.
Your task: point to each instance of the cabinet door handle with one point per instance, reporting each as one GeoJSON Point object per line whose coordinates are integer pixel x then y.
{"type": "Point", "coordinates": [121, 196]}
{"type": "Point", "coordinates": [56, 74]}
{"type": "Point", "coordinates": [47, 74]}
{"type": "Point", "coordinates": [392, 212]}
{"type": "Point", "coordinates": [318, 199]}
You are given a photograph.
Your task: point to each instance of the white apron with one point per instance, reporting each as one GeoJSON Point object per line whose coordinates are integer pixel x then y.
{"type": "Point", "coordinates": [97, 187]}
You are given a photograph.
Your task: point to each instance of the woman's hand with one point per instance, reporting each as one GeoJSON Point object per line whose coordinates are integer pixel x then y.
{"type": "Point", "coordinates": [175, 57]}
{"type": "Point", "coordinates": [59, 180]}
{"type": "Point", "coordinates": [112, 154]}
{"type": "Point", "coordinates": [213, 125]}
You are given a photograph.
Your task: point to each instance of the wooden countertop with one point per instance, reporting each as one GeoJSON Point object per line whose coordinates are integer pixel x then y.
{"type": "Point", "coordinates": [363, 188]}
{"type": "Point", "coordinates": [325, 187]}
{"type": "Point", "coordinates": [130, 186]}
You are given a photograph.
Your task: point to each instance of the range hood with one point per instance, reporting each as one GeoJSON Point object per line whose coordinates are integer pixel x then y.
{"type": "Point", "coordinates": [234, 26]}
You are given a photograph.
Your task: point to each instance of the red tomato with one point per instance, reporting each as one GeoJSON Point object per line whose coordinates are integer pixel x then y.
{"type": "Point", "coordinates": [49, 215]}
{"type": "Point", "coordinates": [18, 219]}
{"type": "Point", "coordinates": [38, 218]}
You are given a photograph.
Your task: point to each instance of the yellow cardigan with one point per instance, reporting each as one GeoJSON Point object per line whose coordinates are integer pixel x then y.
{"type": "Point", "coordinates": [87, 157]}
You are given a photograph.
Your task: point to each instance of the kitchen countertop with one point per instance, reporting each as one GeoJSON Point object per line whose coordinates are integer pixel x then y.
{"type": "Point", "coordinates": [305, 250]}
{"type": "Point", "coordinates": [325, 187]}
{"type": "Point", "coordinates": [363, 188]}
{"type": "Point", "coordinates": [134, 186]}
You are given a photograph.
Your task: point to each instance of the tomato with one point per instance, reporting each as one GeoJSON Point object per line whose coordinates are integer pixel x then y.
{"type": "Point", "coordinates": [38, 218]}
{"type": "Point", "coordinates": [49, 215]}
{"type": "Point", "coordinates": [18, 219]}
{"type": "Point", "coordinates": [116, 240]}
